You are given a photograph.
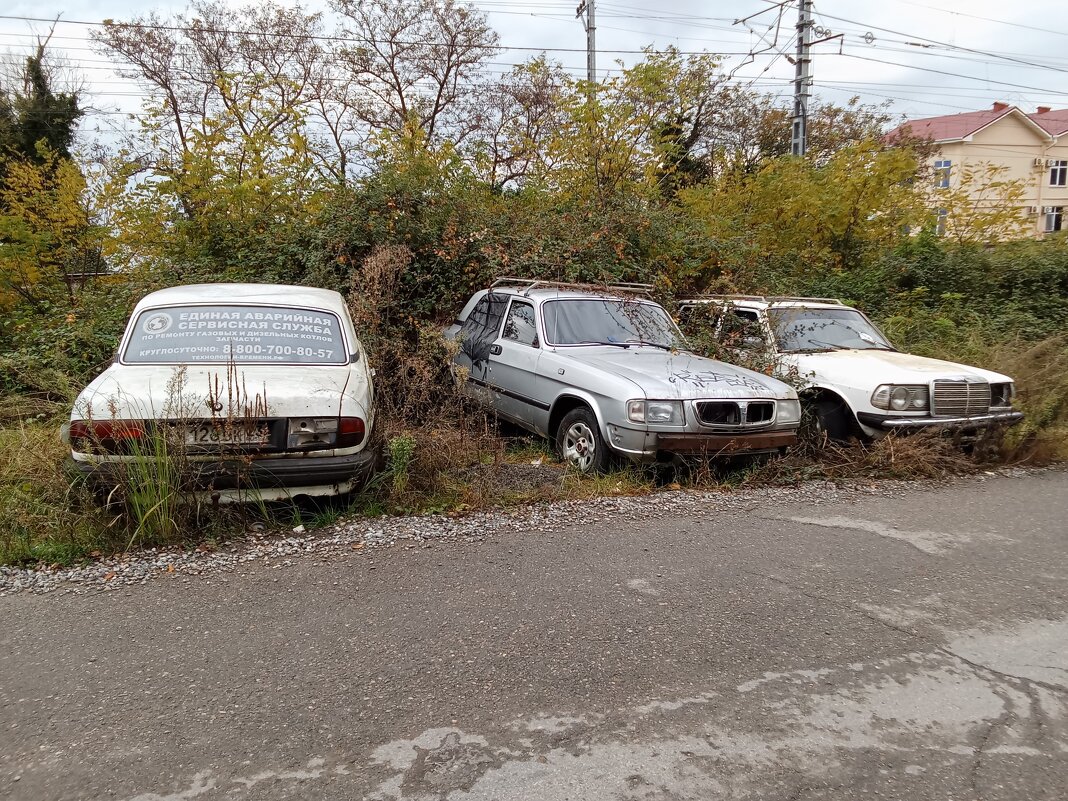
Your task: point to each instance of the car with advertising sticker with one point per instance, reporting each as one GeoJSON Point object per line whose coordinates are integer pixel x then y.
{"type": "Point", "coordinates": [855, 382]}
{"type": "Point", "coordinates": [605, 373]}
{"type": "Point", "coordinates": [256, 391]}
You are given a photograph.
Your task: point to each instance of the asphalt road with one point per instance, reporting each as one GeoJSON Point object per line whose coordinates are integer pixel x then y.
{"type": "Point", "coordinates": [910, 647]}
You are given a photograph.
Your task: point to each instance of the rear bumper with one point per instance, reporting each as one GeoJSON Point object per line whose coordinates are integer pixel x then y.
{"type": "Point", "coordinates": [322, 475]}
{"type": "Point", "coordinates": [888, 422]}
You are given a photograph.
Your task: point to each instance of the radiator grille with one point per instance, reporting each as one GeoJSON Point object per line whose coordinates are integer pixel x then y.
{"type": "Point", "coordinates": [759, 412]}
{"type": "Point", "coordinates": [735, 414]}
{"type": "Point", "coordinates": [960, 398]}
{"type": "Point", "coordinates": [718, 413]}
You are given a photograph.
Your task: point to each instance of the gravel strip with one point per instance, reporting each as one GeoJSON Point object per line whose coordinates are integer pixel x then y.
{"type": "Point", "coordinates": [347, 536]}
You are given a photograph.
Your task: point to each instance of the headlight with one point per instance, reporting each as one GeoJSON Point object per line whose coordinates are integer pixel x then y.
{"type": "Point", "coordinates": [901, 397]}
{"type": "Point", "coordinates": [788, 411]}
{"type": "Point", "coordinates": [655, 411]}
{"type": "Point", "coordinates": [1002, 394]}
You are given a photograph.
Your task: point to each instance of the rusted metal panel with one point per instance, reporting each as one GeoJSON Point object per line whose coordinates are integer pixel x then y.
{"type": "Point", "coordinates": [712, 444]}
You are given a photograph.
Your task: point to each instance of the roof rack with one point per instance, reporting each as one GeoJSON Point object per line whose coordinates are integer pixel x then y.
{"type": "Point", "coordinates": [768, 298]}
{"type": "Point", "coordinates": [525, 285]}
{"type": "Point", "coordinates": [726, 297]}
{"type": "Point", "coordinates": [792, 299]}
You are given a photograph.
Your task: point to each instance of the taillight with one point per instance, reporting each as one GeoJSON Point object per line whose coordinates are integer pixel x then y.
{"type": "Point", "coordinates": [107, 436]}
{"type": "Point", "coordinates": [350, 431]}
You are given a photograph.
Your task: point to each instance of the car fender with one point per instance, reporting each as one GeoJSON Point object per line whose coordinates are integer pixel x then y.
{"type": "Point", "coordinates": [576, 394]}
{"type": "Point", "coordinates": [813, 389]}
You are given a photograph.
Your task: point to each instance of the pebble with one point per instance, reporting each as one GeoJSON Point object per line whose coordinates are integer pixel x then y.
{"type": "Point", "coordinates": [111, 573]}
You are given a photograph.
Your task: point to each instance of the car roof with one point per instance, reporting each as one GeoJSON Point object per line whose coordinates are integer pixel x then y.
{"type": "Point", "coordinates": [806, 304]}
{"type": "Point", "coordinates": [550, 292]}
{"type": "Point", "coordinates": [244, 294]}
{"type": "Point", "coordinates": [755, 302]}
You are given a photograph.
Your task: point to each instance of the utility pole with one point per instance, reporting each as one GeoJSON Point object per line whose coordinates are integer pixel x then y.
{"type": "Point", "coordinates": [590, 24]}
{"type": "Point", "coordinates": [803, 66]}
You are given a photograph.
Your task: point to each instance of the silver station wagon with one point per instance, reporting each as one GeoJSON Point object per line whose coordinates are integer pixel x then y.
{"type": "Point", "coordinates": [606, 372]}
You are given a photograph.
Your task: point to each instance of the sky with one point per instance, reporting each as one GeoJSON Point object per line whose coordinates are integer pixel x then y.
{"type": "Point", "coordinates": [922, 59]}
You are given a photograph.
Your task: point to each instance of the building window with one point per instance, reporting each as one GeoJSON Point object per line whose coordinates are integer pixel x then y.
{"type": "Point", "coordinates": [942, 169]}
{"type": "Point", "coordinates": [1054, 218]}
{"type": "Point", "coordinates": [1058, 173]}
{"type": "Point", "coordinates": [940, 224]}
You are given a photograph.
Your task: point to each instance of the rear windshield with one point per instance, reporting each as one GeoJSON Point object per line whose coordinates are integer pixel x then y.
{"type": "Point", "coordinates": [246, 334]}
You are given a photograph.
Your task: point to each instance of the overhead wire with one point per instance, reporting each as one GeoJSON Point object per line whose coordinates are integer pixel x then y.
{"type": "Point", "coordinates": [620, 11]}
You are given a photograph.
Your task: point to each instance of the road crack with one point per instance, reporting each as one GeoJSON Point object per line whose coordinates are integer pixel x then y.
{"type": "Point", "coordinates": [1009, 677]}
{"type": "Point", "coordinates": [980, 750]}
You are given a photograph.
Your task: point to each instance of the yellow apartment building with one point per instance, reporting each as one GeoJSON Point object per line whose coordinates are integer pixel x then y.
{"type": "Point", "coordinates": [1033, 148]}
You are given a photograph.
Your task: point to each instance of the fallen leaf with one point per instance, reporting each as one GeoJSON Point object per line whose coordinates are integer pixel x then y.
{"type": "Point", "coordinates": [109, 577]}
{"type": "Point", "coordinates": [170, 568]}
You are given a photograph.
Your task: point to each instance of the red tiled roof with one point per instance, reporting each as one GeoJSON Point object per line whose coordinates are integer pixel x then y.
{"type": "Point", "coordinates": [951, 126]}
{"type": "Point", "coordinates": [958, 126]}
{"type": "Point", "coordinates": [1054, 122]}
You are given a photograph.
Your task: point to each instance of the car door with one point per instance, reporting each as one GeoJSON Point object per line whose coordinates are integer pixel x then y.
{"type": "Point", "coordinates": [478, 336]}
{"type": "Point", "coordinates": [513, 365]}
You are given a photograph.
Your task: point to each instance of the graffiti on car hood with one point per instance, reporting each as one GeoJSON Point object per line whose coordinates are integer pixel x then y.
{"type": "Point", "coordinates": [710, 378]}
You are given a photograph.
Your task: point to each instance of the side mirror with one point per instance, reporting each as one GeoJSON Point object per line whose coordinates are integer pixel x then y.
{"type": "Point", "coordinates": [752, 342]}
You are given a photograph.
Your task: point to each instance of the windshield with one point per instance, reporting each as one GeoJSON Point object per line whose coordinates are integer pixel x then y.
{"type": "Point", "coordinates": [246, 334]}
{"type": "Point", "coordinates": [609, 321]}
{"type": "Point", "coordinates": [801, 329]}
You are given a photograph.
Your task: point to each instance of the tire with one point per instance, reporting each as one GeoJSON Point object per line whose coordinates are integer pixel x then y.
{"type": "Point", "coordinates": [834, 418]}
{"type": "Point", "coordinates": [580, 444]}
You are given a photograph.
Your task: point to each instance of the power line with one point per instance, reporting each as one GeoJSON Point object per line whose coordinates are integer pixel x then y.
{"type": "Point", "coordinates": [927, 7]}
{"type": "Point", "coordinates": [943, 44]}
{"type": "Point", "coordinates": [346, 39]}
{"type": "Point", "coordinates": [954, 74]}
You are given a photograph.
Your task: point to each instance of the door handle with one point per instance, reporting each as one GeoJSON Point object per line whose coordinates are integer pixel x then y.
{"type": "Point", "coordinates": [495, 349]}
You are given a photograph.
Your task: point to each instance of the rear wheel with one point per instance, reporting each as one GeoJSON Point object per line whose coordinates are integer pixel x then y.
{"type": "Point", "coordinates": [580, 444]}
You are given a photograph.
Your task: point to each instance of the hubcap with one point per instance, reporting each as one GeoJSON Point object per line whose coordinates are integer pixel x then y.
{"type": "Point", "coordinates": [579, 446]}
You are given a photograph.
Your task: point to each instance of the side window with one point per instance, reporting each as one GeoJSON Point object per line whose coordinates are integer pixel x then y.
{"type": "Point", "coordinates": [742, 329]}
{"type": "Point", "coordinates": [942, 170]}
{"type": "Point", "coordinates": [519, 325]}
{"type": "Point", "coordinates": [482, 325]}
{"type": "Point", "coordinates": [1058, 172]}
{"type": "Point", "coordinates": [700, 316]}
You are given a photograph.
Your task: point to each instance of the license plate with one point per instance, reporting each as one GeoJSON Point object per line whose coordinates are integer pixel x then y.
{"type": "Point", "coordinates": [208, 434]}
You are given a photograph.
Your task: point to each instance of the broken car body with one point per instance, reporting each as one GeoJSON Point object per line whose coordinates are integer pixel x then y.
{"type": "Point", "coordinates": [604, 372]}
{"type": "Point", "coordinates": [856, 381]}
{"type": "Point", "coordinates": [257, 387]}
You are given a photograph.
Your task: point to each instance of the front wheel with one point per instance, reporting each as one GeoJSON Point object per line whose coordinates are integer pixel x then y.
{"type": "Point", "coordinates": [580, 444]}
{"type": "Point", "coordinates": [834, 418]}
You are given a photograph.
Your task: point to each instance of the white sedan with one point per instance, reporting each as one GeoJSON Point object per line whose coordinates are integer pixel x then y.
{"type": "Point", "coordinates": [252, 391]}
{"type": "Point", "coordinates": [849, 374]}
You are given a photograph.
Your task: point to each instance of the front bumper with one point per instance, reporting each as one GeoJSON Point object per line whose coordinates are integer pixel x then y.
{"type": "Point", "coordinates": [725, 444]}
{"type": "Point", "coordinates": [278, 477]}
{"type": "Point", "coordinates": [889, 422]}
{"type": "Point", "coordinates": [650, 446]}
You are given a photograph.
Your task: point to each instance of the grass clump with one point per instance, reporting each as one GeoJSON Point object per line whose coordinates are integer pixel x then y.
{"type": "Point", "coordinates": [44, 517]}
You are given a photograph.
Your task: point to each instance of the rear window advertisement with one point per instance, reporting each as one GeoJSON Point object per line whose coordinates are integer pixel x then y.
{"type": "Point", "coordinates": [245, 334]}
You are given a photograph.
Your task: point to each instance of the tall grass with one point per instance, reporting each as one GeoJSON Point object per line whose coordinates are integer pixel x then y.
{"type": "Point", "coordinates": [1039, 368]}
{"type": "Point", "coordinates": [44, 517]}
{"type": "Point", "coordinates": [152, 483]}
